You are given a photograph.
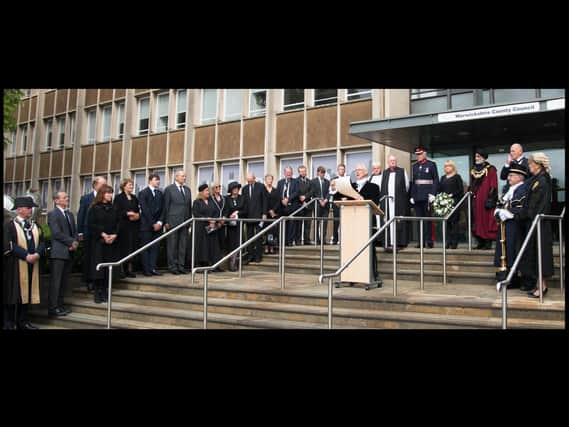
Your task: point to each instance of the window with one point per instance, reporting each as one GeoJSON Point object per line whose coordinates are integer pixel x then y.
{"type": "Point", "coordinates": [552, 93]}
{"type": "Point", "coordinates": [181, 109]}
{"type": "Point", "coordinates": [233, 104]}
{"type": "Point", "coordinates": [205, 175]}
{"type": "Point", "coordinates": [8, 188]}
{"type": "Point", "coordinates": [325, 96]}
{"type": "Point", "coordinates": [67, 186]}
{"type": "Point", "coordinates": [72, 127]}
{"type": "Point", "coordinates": [91, 122]}
{"type": "Point", "coordinates": [12, 143]}
{"type": "Point", "coordinates": [328, 161]}
{"type": "Point", "coordinates": [121, 120]}
{"type": "Point", "coordinates": [24, 145]}
{"type": "Point", "coordinates": [44, 194]}
{"type": "Point", "coordinates": [19, 189]}
{"type": "Point", "coordinates": [257, 102]}
{"type": "Point", "coordinates": [60, 132]}
{"type": "Point", "coordinates": [356, 157]}
{"type": "Point", "coordinates": [87, 184]}
{"type": "Point", "coordinates": [57, 185]}
{"type": "Point", "coordinates": [229, 173]}
{"type": "Point", "coordinates": [292, 99]}
{"type": "Point", "coordinates": [513, 95]}
{"type": "Point", "coordinates": [257, 168]}
{"type": "Point", "coordinates": [139, 181]}
{"type": "Point", "coordinates": [107, 111]}
{"type": "Point", "coordinates": [116, 177]}
{"type": "Point", "coordinates": [293, 162]}
{"type": "Point", "coordinates": [48, 132]}
{"type": "Point", "coordinates": [173, 174]}
{"type": "Point", "coordinates": [143, 115]}
{"type": "Point", "coordinates": [209, 105]}
{"type": "Point", "coordinates": [427, 93]}
{"type": "Point", "coordinates": [358, 94]}
{"type": "Point", "coordinates": [162, 174]}
{"type": "Point", "coordinates": [162, 112]}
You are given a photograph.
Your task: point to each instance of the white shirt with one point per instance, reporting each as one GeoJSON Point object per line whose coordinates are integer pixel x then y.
{"type": "Point", "coordinates": [154, 194]}
{"type": "Point", "coordinates": [361, 182]}
{"type": "Point", "coordinates": [510, 194]}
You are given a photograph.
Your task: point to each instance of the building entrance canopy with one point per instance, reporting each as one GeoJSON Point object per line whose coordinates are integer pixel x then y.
{"type": "Point", "coordinates": [535, 125]}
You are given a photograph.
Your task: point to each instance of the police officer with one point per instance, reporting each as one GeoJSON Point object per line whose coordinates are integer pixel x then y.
{"type": "Point", "coordinates": [424, 186]}
{"type": "Point", "coordinates": [509, 205]}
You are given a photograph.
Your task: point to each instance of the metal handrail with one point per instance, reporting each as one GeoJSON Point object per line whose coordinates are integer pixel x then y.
{"type": "Point", "coordinates": [110, 265]}
{"type": "Point", "coordinates": [469, 195]}
{"type": "Point", "coordinates": [329, 276]}
{"type": "Point", "coordinates": [206, 269]}
{"type": "Point", "coordinates": [535, 224]}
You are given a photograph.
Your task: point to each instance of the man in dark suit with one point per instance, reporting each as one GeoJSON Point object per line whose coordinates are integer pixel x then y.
{"type": "Point", "coordinates": [304, 196]}
{"type": "Point", "coordinates": [151, 202]}
{"type": "Point", "coordinates": [253, 195]}
{"type": "Point", "coordinates": [177, 209]}
{"type": "Point", "coordinates": [320, 188]}
{"type": "Point", "coordinates": [84, 205]}
{"type": "Point", "coordinates": [64, 241]}
{"type": "Point", "coordinates": [288, 191]}
{"type": "Point", "coordinates": [515, 158]}
{"type": "Point", "coordinates": [423, 190]}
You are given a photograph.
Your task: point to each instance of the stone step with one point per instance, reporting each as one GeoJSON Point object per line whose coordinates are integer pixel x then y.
{"type": "Point", "coordinates": [78, 320]}
{"type": "Point", "coordinates": [184, 318]}
{"type": "Point", "coordinates": [345, 316]}
{"type": "Point", "coordinates": [486, 304]}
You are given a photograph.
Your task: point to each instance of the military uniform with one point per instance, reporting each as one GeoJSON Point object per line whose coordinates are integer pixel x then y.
{"type": "Point", "coordinates": [425, 181]}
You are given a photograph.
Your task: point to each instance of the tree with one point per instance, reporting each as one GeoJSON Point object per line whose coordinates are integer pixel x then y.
{"type": "Point", "coordinates": [12, 98]}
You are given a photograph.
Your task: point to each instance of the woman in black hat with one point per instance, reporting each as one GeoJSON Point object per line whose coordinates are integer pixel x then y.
{"type": "Point", "coordinates": [207, 244]}
{"type": "Point", "coordinates": [484, 186]}
{"type": "Point", "coordinates": [234, 208]}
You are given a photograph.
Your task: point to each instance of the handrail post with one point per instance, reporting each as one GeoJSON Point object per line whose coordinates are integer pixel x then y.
{"type": "Point", "coordinates": [421, 252]}
{"type": "Point", "coordinates": [504, 307]}
{"type": "Point", "coordinates": [281, 240]}
{"type": "Point", "coordinates": [561, 256]}
{"type": "Point", "coordinates": [469, 231]}
{"type": "Point", "coordinates": [330, 303]}
{"type": "Point", "coordinates": [193, 250]}
{"type": "Point", "coordinates": [321, 244]}
{"type": "Point", "coordinates": [444, 252]}
{"type": "Point", "coordinates": [283, 258]}
{"type": "Point", "coordinates": [314, 225]}
{"type": "Point", "coordinates": [386, 219]}
{"type": "Point", "coordinates": [394, 246]}
{"type": "Point", "coordinates": [109, 297]}
{"type": "Point", "coordinates": [205, 299]}
{"type": "Point", "coordinates": [241, 249]}
{"type": "Point", "coordinates": [539, 266]}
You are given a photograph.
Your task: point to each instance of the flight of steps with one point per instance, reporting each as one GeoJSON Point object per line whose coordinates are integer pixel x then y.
{"type": "Point", "coordinates": [256, 301]}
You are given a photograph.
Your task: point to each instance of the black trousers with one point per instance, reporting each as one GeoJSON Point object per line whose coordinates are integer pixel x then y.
{"type": "Point", "coordinates": [452, 231]}
{"type": "Point", "coordinates": [15, 315]}
{"type": "Point", "coordinates": [255, 249]}
{"type": "Point", "coordinates": [60, 270]}
{"type": "Point", "coordinates": [321, 212]}
{"type": "Point", "coordinates": [336, 214]}
{"type": "Point", "coordinates": [298, 226]}
{"type": "Point", "coordinates": [149, 257]}
{"type": "Point", "coordinates": [421, 209]}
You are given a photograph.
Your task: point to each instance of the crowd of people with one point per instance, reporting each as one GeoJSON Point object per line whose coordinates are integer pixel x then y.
{"type": "Point", "coordinates": [114, 226]}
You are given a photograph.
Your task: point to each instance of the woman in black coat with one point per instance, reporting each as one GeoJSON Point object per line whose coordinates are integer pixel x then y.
{"type": "Point", "coordinates": [451, 183]}
{"type": "Point", "coordinates": [218, 201]}
{"type": "Point", "coordinates": [128, 211]}
{"type": "Point", "coordinates": [538, 201]}
{"type": "Point", "coordinates": [234, 208]}
{"type": "Point", "coordinates": [207, 244]}
{"type": "Point", "coordinates": [102, 223]}
{"type": "Point", "coordinates": [271, 203]}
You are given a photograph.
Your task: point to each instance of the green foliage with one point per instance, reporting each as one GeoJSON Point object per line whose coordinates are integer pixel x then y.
{"type": "Point", "coordinates": [12, 98]}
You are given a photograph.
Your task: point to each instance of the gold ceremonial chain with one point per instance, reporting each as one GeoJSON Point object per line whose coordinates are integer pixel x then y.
{"type": "Point", "coordinates": [480, 174]}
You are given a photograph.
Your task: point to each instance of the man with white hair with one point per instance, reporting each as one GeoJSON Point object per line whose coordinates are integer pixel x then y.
{"type": "Point", "coordinates": [515, 158]}
{"type": "Point", "coordinates": [253, 196]}
{"type": "Point", "coordinates": [395, 185]}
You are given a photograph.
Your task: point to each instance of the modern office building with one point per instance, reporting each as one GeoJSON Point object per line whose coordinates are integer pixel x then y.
{"type": "Point", "coordinates": [65, 137]}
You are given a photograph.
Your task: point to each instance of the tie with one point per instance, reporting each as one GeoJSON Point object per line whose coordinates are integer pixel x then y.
{"type": "Point", "coordinates": [321, 193]}
{"type": "Point", "coordinates": [251, 191]}
{"type": "Point", "coordinates": [153, 193]}
{"type": "Point", "coordinates": [182, 191]}
{"type": "Point", "coordinates": [66, 214]}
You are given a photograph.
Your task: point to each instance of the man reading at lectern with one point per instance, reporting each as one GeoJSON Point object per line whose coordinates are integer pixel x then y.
{"type": "Point", "coordinates": [368, 191]}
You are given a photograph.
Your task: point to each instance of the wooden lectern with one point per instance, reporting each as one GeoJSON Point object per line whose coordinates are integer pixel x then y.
{"type": "Point", "coordinates": [356, 222]}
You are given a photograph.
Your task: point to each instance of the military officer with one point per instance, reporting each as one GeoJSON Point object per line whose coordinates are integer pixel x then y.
{"type": "Point", "coordinates": [424, 186]}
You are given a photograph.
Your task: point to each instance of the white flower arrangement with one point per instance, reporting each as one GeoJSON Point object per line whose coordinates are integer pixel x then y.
{"type": "Point", "coordinates": [443, 204]}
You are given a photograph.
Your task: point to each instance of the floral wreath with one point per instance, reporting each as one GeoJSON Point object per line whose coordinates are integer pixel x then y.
{"type": "Point", "coordinates": [443, 204]}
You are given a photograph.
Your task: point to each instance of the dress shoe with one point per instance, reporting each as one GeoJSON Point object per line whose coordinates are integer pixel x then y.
{"type": "Point", "coordinates": [430, 245]}
{"type": "Point", "coordinates": [533, 295]}
{"type": "Point", "coordinates": [174, 272]}
{"type": "Point", "coordinates": [130, 274]}
{"type": "Point", "coordinates": [105, 295]}
{"type": "Point", "coordinates": [27, 325]}
{"type": "Point", "coordinates": [56, 312]}
{"type": "Point", "coordinates": [156, 273]}
{"type": "Point", "coordinates": [182, 271]}
{"type": "Point", "coordinates": [147, 274]}
{"type": "Point", "coordinates": [66, 309]}
{"type": "Point", "coordinates": [308, 242]}
{"type": "Point", "coordinates": [9, 326]}
{"type": "Point", "coordinates": [90, 287]}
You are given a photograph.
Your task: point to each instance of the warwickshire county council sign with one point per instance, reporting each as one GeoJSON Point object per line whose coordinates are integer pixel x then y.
{"type": "Point", "coordinates": [483, 113]}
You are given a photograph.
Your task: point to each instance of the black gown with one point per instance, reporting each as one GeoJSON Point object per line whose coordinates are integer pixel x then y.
{"type": "Point", "coordinates": [271, 201]}
{"type": "Point", "coordinates": [538, 201]}
{"type": "Point", "coordinates": [401, 204]}
{"type": "Point", "coordinates": [207, 245]}
{"type": "Point", "coordinates": [219, 206]}
{"type": "Point", "coordinates": [455, 187]}
{"type": "Point", "coordinates": [232, 205]}
{"type": "Point", "coordinates": [101, 217]}
{"type": "Point", "coordinates": [128, 231]}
